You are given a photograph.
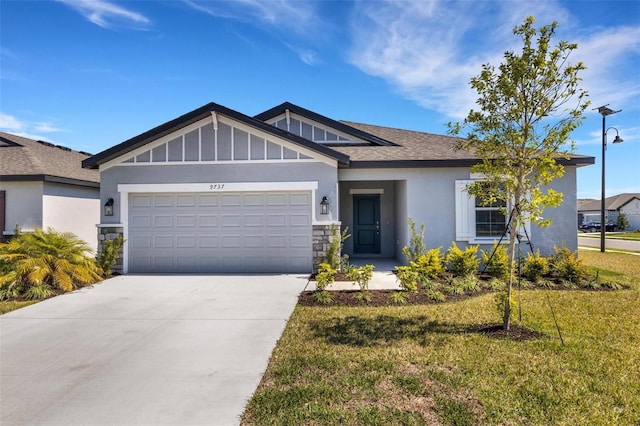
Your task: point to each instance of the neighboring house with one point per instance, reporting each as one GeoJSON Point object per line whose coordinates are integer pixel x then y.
{"type": "Point", "coordinates": [218, 191]}
{"type": "Point", "coordinates": [628, 203]}
{"type": "Point", "coordinates": [43, 185]}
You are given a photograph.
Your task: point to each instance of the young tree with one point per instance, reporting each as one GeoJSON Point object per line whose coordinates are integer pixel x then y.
{"type": "Point", "coordinates": [528, 107]}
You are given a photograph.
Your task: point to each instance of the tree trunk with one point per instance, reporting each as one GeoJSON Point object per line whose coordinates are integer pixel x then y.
{"type": "Point", "coordinates": [515, 219]}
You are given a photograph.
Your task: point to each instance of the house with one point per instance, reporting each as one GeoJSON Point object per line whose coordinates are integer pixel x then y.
{"type": "Point", "coordinates": [628, 203]}
{"type": "Point", "coordinates": [43, 185]}
{"type": "Point", "coordinates": [219, 191]}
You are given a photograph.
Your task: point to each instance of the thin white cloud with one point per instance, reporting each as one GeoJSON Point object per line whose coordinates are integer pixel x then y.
{"type": "Point", "coordinates": [281, 14]}
{"type": "Point", "coordinates": [107, 14]}
{"type": "Point", "coordinates": [10, 123]}
{"type": "Point", "coordinates": [28, 129]}
{"type": "Point", "coordinates": [430, 50]}
{"type": "Point", "coordinates": [46, 127]}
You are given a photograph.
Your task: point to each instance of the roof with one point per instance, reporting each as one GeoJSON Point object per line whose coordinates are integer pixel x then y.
{"type": "Point", "coordinates": [418, 149]}
{"type": "Point", "coordinates": [387, 147]}
{"type": "Point", "coordinates": [24, 159]}
{"type": "Point", "coordinates": [197, 115]}
{"type": "Point", "coordinates": [614, 202]}
{"type": "Point", "coordinates": [343, 126]}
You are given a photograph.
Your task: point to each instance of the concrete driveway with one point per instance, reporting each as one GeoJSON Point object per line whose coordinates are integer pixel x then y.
{"type": "Point", "coordinates": [143, 350]}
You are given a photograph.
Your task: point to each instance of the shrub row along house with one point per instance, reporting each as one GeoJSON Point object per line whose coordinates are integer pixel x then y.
{"type": "Point", "coordinates": [43, 185]}
{"type": "Point", "coordinates": [215, 190]}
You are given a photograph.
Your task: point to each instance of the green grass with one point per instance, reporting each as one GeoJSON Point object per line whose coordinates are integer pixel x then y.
{"type": "Point", "coordinates": [13, 305]}
{"type": "Point", "coordinates": [418, 365]}
{"type": "Point", "coordinates": [632, 236]}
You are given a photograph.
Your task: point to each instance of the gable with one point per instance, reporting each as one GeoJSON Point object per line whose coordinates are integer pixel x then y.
{"type": "Point", "coordinates": [313, 130]}
{"type": "Point", "coordinates": [217, 140]}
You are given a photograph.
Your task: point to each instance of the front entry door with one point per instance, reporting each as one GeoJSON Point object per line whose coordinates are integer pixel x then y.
{"type": "Point", "coordinates": [366, 224]}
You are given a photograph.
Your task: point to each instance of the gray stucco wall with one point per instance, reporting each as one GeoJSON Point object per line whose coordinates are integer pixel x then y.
{"type": "Point", "coordinates": [326, 176]}
{"type": "Point", "coordinates": [428, 196]}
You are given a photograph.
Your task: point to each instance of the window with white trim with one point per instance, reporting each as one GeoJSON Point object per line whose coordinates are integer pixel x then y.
{"type": "Point", "coordinates": [476, 222]}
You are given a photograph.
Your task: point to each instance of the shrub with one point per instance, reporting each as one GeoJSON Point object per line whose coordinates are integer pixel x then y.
{"type": "Point", "coordinates": [496, 261]}
{"type": "Point", "coordinates": [50, 259]}
{"type": "Point", "coordinates": [435, 295]}
{"type": "Point", "coordinates": [398, 298]}
{"type": "Point", "coordinates": [361, 275]}
{"type": "Point", "coordinates": [109, 255]}
{"type": "Point", "coordinates": [464, 283]}
{"type": "Point", "coordinates": [535, 267]}
{"type": "Point", "coordinates": [417, 247]}
{"type": "Point", "coordinates": [325, 276]}
{"type": "Point", "coordinates": [429, 265]}
{"type": "Point", "coordinates": [568, 267]}
{"type": "Point", "coordinates": [363, 296]}
{"type": "Point", "coordinates": [462, 262]}
{"type": "Point", "coordinates": [622, 222]}
{"type": "Point", "coordinates": [408, 278]}
{"type": "Point", "coordinates": [334, 250]}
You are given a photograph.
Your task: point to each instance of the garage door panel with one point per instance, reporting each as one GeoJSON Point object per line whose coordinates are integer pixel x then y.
{"type": "Point", "coordinates": [233, 232]}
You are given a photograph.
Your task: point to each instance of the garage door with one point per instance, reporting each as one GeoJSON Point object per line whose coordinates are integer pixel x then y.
{"type": "Point", "coordinates": [221, 232]}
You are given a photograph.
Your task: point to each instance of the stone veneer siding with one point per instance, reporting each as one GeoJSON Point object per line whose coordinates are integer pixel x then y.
{"type": "Point", "coordinates": [321, 239]}
{"type": "Point", "coordinates": [111, 233]}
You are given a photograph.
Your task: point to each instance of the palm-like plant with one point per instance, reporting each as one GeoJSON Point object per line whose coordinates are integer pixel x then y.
{"type": "Point", "coordinates": [48, 258]}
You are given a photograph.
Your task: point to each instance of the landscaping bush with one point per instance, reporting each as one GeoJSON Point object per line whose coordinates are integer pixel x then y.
{"type": "Point", "coordinates": [325, 276]}
{"type": "Point", "coordinates": [462, 262]}
{"type": "Point", "coordinates": [109, 255]}
{"type": "Point", "coordinates": [535, 267]}
{"type": "Point", "coordinates": [496, 261]}
{"type": "Point", "coordinates": [416, 245]}
{"type": "Point", "coordinates": [333, 256]}
{"type": "Point", "coordinates": [568, 267]}
{"type": "Point", "coordinates": [50, 261]}
{"type": "Point", "coordinates": [429, 265]}
{"type": "Point", "coordinates": [408, 278]}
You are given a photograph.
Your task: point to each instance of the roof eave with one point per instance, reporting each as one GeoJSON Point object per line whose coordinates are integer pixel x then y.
{"type": "Point", "coordinates": [50, 178]}
{"type": "Point", "coordinates": [198, 114]}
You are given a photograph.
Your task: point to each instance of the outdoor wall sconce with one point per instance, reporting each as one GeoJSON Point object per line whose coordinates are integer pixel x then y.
{"type": "Point", "coordinates": [108, 207]}
{"type": "Point", "coordinates": [324, 205]}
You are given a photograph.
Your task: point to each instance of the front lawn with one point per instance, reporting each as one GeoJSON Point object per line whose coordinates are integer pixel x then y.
{"type": "Point", "coordinates": [12, 305]}
{"type": "Point", "coordinates": [431, 365]}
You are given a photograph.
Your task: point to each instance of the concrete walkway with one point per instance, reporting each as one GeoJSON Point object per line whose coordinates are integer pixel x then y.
{"type": "Point", "coordinates": [143, 350]}
{"type": "Point", "coordinates": [383, 276]}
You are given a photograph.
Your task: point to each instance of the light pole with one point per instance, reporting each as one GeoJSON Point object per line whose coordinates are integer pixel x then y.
{"type": "Point", "coordinates": [604, 111]}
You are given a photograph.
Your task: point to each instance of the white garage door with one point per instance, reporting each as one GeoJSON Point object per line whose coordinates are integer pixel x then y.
{"type": "Point", "coordinates": [221, 232]}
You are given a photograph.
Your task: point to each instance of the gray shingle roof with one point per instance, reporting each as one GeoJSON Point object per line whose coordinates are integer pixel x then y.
{"type": "Point", "coordinates": [27, 159]}
{"type": "Point", "coordinates": [417, 148]}
{"type": "Point", "coordinates": [610, 203]}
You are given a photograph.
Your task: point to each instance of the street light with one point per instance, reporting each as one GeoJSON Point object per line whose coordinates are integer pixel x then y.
{"type": "Point", "coordinates": [604, 111]}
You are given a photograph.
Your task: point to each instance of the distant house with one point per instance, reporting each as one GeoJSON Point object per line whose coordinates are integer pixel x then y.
{"type": "Point", "coordinates": [43, 185]}
{"type": "Point", "coordinates": [628, 203]}
{"type": "Point", "coordinates": [215, 190]}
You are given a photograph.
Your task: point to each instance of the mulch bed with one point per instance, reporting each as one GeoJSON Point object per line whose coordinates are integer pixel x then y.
{"type": "Point", "coordinates": [378, 298]}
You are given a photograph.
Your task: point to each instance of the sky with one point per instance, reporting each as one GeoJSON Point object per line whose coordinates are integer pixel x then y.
{"type": "Point", "coordinates": [89, 74]}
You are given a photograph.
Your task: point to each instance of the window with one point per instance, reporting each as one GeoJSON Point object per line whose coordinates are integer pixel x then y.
{"type": "Point", "coordinates": [476, 222]}
{"type": "Point", "coordinates": [490, 221]}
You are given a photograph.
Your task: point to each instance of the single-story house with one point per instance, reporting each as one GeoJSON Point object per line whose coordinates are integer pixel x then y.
{"type": "Point", "coordinates": [43, 185]}
{"type": "Point", "coordinates": [627, 203]}
{"type": "Point", "coordinates": [219, 191]}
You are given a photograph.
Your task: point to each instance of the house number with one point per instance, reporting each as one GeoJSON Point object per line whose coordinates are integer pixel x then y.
{"type": "Point", "coordinates": [216, 186]}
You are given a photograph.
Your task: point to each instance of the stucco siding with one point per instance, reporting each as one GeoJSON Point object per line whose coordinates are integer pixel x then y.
{"type": "Point", "coordinates": [430, 199]}
{"type": "Point", "coordinates": [23, 205]}
{"type": "Point", "coordinates": [324, 174]}
{"type": "Point", "coordinates": [70, 208]}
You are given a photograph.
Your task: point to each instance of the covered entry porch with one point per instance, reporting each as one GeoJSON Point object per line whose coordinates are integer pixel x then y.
{"type": "Point", "coordinates": [375, 213]}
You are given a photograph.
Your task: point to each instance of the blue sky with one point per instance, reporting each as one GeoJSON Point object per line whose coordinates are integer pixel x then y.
{"type": "Point", "coordinates": [89, 74]}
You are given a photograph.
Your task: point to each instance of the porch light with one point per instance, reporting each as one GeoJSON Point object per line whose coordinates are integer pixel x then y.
{"type": "Point", "coordinates": [108, 207]}
{"type": "Point", "coordinates": [324, 205]}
